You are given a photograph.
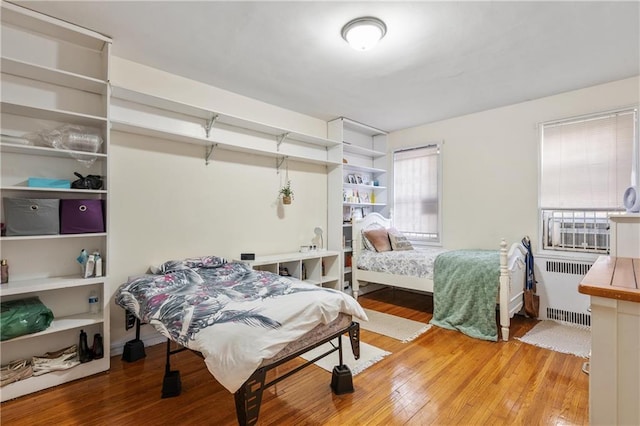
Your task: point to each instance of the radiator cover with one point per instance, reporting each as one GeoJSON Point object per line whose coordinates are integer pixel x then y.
{"type": "Point", "coordinates": [557, 287]}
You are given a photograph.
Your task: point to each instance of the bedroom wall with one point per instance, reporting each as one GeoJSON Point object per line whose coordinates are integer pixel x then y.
{"type": "Point", "coordinates": [490, 169]}
{"type": "Point", "coordinates": [167, 204]}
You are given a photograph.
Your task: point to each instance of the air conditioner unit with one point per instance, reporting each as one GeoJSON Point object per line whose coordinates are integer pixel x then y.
{"type": "Point", "coordinates": [587, 236]}
{"type": "Point", "coordinates": [557, 287]}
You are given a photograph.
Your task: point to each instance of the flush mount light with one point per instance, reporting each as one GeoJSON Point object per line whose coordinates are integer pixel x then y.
{"type": "Point", "coordinates": [364, 33]}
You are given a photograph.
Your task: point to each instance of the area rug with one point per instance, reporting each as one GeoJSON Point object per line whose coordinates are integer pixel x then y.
{"type": "Point", "coordinates": [568, 339]}
{"type": "Point", "coordinates": [369, 355]}
{"type": "Point", "coordinates": [398, 328]}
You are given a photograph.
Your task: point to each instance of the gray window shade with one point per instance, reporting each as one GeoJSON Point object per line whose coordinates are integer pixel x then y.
{"type": "Point", "coordinates": [587, 163]}
{"type": "Point", "coordinates": [416, 192]}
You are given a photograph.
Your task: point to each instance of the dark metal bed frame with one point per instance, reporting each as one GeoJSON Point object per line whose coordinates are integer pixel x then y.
{"type": "Point", "coordinates": [249, 397]}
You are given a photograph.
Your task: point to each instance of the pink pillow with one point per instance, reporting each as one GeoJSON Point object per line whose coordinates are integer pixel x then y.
{"type": "Point", "coordinates": [379, 238]}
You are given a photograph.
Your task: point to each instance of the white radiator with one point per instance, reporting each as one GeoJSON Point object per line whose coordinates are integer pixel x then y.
{"type": "Point", "coordinates": [557, 287]}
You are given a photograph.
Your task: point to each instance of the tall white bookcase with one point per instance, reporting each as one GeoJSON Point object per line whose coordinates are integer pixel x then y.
{"type": "Point", "coordinates": [358, 186]}
{"type": "Point", "coordinates": [53, 73]}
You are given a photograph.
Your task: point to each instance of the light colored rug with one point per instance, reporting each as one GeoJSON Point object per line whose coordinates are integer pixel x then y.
{"type": "Point", "coordinates": [398, 328]}
{"type": "Point", "coordinates": [369, 355]}
{"type": "Point", "coordinates": [568, 339]}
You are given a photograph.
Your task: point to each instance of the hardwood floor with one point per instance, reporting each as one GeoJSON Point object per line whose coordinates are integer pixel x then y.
{"type": "Point", "coordinates": [441, 378]}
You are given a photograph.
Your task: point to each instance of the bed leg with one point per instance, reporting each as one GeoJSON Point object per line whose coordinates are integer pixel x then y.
{"type": "Point", "coordinates": [505, 334]}
{"type": "Point", "coordinates": [171, 383]}
{"type": "Point", "coordinates": [354, 338]}
{"type": "Point", "coordinates": [249, 397]}
{"type": "Point", "coordinates": [341, 377]}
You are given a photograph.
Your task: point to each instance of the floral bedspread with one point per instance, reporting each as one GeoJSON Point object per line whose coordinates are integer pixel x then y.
{"type": "Point", "coordinates": [235, 316]}
{"type": "Point", "coordinates": [417, 263]}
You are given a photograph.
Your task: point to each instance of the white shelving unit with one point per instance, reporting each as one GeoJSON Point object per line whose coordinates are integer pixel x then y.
{"type": "Point", "coordinates": [317, 267]}
{"type": "Point", "coordinates": [360, 183]}
{"type": "Point", "coordinates": [53, 73]}
{"type": "Point", "coordinates": [149, 115]}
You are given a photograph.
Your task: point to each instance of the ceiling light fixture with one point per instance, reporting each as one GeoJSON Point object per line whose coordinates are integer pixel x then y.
{"type": "Point", "coordinates": [364, 33]}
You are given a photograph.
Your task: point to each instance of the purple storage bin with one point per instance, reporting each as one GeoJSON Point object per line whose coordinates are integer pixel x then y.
{"type": "Point", "coordinates": [81, 216]}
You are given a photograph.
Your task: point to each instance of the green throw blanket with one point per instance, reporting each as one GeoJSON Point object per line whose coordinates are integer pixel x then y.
{"type": "Point", "coordinates": [465, 288]}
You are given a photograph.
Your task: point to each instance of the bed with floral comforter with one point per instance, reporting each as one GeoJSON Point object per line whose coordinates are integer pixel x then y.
{"type": "Point", "coordinates": [234, 316]}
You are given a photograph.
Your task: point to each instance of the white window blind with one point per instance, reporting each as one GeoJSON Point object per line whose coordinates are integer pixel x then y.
{"type": "Point", "coordinates": [416, 189]}
{"type": "Point", "coordinates": [586, 163]}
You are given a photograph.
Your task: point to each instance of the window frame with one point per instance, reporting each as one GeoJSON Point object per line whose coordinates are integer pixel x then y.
{"type": "Point", "coordinates": [541, 210]}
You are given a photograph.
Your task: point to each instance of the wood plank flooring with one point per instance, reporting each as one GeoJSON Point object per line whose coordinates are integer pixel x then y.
{"type": "Point", "coordinates": [441, 378]}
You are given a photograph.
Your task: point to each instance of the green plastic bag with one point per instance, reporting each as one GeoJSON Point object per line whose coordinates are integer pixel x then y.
{"type": "Point", "coordinates": [24, 316]}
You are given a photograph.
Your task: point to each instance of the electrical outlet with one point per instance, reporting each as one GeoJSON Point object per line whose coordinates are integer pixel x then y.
{"type": "Point", "coordinates": [130, 320]}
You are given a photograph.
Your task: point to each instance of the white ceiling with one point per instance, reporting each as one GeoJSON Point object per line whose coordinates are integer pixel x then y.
{"type": "Point", "coordinates": [438, 59]}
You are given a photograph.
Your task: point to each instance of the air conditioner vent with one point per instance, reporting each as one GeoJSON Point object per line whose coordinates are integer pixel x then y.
{"type": "Point", "coordinates": [567, 267]}
{"type": "Point", "coordinates": [569, 317]}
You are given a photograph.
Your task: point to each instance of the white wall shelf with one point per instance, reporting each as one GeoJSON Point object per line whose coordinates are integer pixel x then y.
{"type": "Point", "coordinates": [52, 237]}
{"type": "Point", "coordinates": [46, 284]}
{"type": "Point", "coordinates": [355, 149]}
{"type": "Point", "coordinates": [53, 76]}
{"type": "Point", "coordinates": [62, 324]}
{"type": "Point", "coordinates": [53, 115]}
{"type": "Point", "coordinates": [13, 148]}
{"type": "Point", "coordinates": [152, 116]}
{"type": "Point", "coordinates": [52, 190]}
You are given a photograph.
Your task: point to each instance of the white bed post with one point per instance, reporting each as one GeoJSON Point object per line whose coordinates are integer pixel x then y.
{"type": "Point", "coordinates": [356, 241]}
{"type": "Point", "coordinates": [504, 291]}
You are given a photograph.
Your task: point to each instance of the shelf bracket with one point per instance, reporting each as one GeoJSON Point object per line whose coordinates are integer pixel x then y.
{"type": "Point", "coordinates": [281, 138]}
{"type": "Point", "coordinates": [208, 151]}
{"type": "Point", "coordinates": [279, 162]}
{"type": "Point", "coordinates": [209, 124]}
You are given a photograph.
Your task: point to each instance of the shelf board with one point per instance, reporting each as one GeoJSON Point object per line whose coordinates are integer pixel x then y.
{"type": "Point", "coordinates": [347, 269]}
{"type": "Point", "coordinates": [356, 186]}
{"type": "Point", "coordinates": [364, 204]}
{"type": "Point", "coordinates": [16, 148]}
{"type": "Point", "coordinates": [329, 278]}
{"type": "Point", "coordinates": [51, 190]}
{"type": "Point", "coordinates": [46, 284]}
{"type": "Point", "coordinates": [39, 23]}
{"type": "Point", "coordinates": [362, 128]}
{"type": "Point", "coordinates": [230, 120]}
{"type": "Point", "coordinates": [53, 115]}
{"type": "Point", "coordinates": [347, 249]}
{"type": "Point", "coordinates": [54, 378]}
{"type": "Point", "coordinates": [53, 236]}
{"type": "Point", "coordinates": [363, 169]}
{"type": "Point", "coordinates": [53, 76]}
{"type": "Point", "coordinates": [62, 324]}
{"type": "Point", "coordinates": [178, 137]}
{"type": "Point", "coordinates": [355, 149]}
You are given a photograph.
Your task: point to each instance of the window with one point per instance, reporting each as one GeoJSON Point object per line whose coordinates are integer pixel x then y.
{"type": "Point", "coordinates": [586, 165]}
{"type": "Point", "coordinates": [417, 193]}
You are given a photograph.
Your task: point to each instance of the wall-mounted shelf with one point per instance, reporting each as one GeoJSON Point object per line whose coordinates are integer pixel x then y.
{"type": "Point", "coordinates": [152, 116]}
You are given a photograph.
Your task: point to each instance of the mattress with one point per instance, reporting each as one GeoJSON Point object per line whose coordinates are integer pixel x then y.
{"type": "Point", "coordinates": [234, 316]}
{"type": "Point", "coordinates": [417, 263]}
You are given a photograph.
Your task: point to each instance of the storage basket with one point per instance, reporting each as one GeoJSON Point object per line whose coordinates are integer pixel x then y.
{"type": "Point", "coordinates": [81, 216]}
{"type": "Point", "coordinates": [29, 216]}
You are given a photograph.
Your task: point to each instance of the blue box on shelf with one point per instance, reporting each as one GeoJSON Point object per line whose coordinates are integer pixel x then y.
{"type": "Point", "coordinates": [37, 182]}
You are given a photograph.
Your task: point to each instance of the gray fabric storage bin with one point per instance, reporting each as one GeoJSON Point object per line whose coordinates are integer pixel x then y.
{"type": "Point", "coordinates": [29, 216]}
